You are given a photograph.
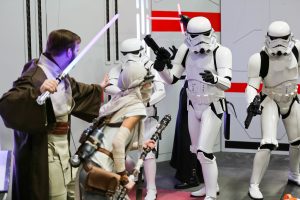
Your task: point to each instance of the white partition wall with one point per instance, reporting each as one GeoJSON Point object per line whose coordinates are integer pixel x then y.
{"type": "Point", "coordinates": [12, 53]}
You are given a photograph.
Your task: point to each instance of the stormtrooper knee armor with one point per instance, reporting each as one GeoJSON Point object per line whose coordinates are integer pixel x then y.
{"type": "Point", "coordinates": [210, 175]}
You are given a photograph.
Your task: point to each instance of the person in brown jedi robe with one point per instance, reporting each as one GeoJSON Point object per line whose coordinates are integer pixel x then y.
{"type": "Point", "coordinates": [41, 132]}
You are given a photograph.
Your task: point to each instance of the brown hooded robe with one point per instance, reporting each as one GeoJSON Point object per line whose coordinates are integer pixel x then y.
{"type": "Point", "coordinates": [31, 123]}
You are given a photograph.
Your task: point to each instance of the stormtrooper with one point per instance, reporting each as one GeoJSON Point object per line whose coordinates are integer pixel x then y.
{"type": "Point", "coordinates": [133, 51]}
{"type": "Point", "coordinates": [276, 66]}
{"type": "Point", "coordinates": [208, 68]}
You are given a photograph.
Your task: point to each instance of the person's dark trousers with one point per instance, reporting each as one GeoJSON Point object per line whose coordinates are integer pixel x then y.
{"type": "Point", "coordinates": [188, 168]}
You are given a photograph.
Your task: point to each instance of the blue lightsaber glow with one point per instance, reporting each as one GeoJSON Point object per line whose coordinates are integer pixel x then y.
{"type": "Point", "coordinates": [42, 98]}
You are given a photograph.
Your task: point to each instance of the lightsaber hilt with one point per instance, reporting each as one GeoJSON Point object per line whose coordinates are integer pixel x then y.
{"type": "Point", "coordinates": [45, 95]}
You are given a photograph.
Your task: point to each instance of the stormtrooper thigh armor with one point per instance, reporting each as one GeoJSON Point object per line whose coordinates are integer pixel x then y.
{"type": "Point", "coordinates": [269, 122]}
{"type": "Point", "coordinates": [204, 127]}
{"type": "Point", "coordinates": [150, 127]}
{"type": "Point", "coordinates": [291, 123]}
{"type": "Point", "coordinates": [262, 157]}
{"type": "Point", "coordinates": [203, 132]}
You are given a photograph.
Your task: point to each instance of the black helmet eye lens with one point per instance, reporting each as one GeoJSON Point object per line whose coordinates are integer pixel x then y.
{"type": "Point", "coordinates": [282, 37]}
{"type": "Point", "coordinates": [285, 37]}
{"type": "Point", "coordinates": [135, 52]}
{"type": "Point", "coordinates": [194, 35]}
{"type": "Point", "coordinates": [207, 33]}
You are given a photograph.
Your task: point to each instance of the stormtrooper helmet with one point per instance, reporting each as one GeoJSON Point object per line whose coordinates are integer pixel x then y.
{"type": "Point", "coordinates": [200, 36]}
{"type": "Point", "coordinates": [132, 49]}
{"type": "Point", "coordinates": [279, 39]}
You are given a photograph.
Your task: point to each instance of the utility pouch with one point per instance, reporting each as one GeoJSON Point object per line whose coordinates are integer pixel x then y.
{"type": "Point", "coordinates": [101, 181]}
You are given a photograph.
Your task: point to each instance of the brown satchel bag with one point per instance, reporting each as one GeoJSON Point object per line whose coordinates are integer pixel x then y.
{"type": "Point", "coordinates": [100, 180]}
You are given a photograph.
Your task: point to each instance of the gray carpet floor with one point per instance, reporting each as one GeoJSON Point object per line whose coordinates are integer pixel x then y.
{"type": "Point", "coordinates": [234, 175]}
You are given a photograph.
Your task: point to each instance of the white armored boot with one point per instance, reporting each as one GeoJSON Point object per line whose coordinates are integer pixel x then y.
{"type": "Point", "coordinates": [260, 164]}
{"type": "Point", "coordinates": [202, 191]}
{"type": "Point", "coordinates": [210, 175]}
{"type": "Point", "coordinates": [294, 176]}
{"type": "Point", "coordinates": [150, 172]}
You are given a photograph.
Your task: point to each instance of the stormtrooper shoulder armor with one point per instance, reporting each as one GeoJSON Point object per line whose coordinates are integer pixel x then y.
{"type": "Point", "coordinates": [296, 49]}
{"type": "Point", "coordinates": [181, 54]}
{"type": "Point", "coordinates": [254, 66]}
{"type": "Point", "coordinates": [223, 57]}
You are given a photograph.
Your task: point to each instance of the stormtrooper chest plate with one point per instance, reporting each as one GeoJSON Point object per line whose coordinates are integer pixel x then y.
{"type": "Point", "coordinates": [280, 84]}
{"type": "Point", "coordinates": [196, 64]}
{"type": "Point", "coordinates": [281, 70]}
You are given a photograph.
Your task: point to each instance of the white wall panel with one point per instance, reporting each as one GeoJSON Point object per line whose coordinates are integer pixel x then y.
{"type": "Point", "coordinates": [12, 53]}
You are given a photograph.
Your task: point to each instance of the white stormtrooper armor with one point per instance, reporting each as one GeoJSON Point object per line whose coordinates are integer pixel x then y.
{"type": "Point", "coordinates": [279, 39]}
{"type": "Point", "coordinates": [131, 49]}
{"type": "Point", "coordinates": [200, 38]}
{"type": "Point", "coordinates": [133, 52]}
{"type": "Point", "coordinates": [206, 101]}
{"type": "Point", "coordinates": [279, 97]}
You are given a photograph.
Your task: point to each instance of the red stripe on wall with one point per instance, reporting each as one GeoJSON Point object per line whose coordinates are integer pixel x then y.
{"type": "Point", "coordinates": [237, 87]}
{"type": "Point", "coordinates": [174, 26]}
{"type": "Point", "coordinates": [241, 87]}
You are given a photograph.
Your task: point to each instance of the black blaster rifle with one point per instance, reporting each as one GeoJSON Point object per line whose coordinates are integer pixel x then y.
{"type": "Point", "coordinates": [156, 49]}
{"type": "Point", "coordinates": [253, 110]}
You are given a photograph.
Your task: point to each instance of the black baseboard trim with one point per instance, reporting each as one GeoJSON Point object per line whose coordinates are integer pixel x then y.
{"type": "Point", "coordinates": [252, 145]}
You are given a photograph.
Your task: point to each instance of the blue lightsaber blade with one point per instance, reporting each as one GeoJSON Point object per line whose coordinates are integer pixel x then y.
{"type": "Point", "coordinates": [42, 98]}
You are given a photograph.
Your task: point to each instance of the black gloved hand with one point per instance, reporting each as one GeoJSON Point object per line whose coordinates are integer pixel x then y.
{"type": "Point", "coordinates": [163, 54]}
{"type": "Point", "coordinates": [174, 50]}
{"type": "Point", "coordinates": [162, 58]}
{"type": "Point", "coordinates": [254, 109]}
{"type": "Point", "coordinates": [207, 76]}
{"type": "Point", "coordinates": [184, 20]}
{"type": "Point", "coordinates": [159, 65]}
